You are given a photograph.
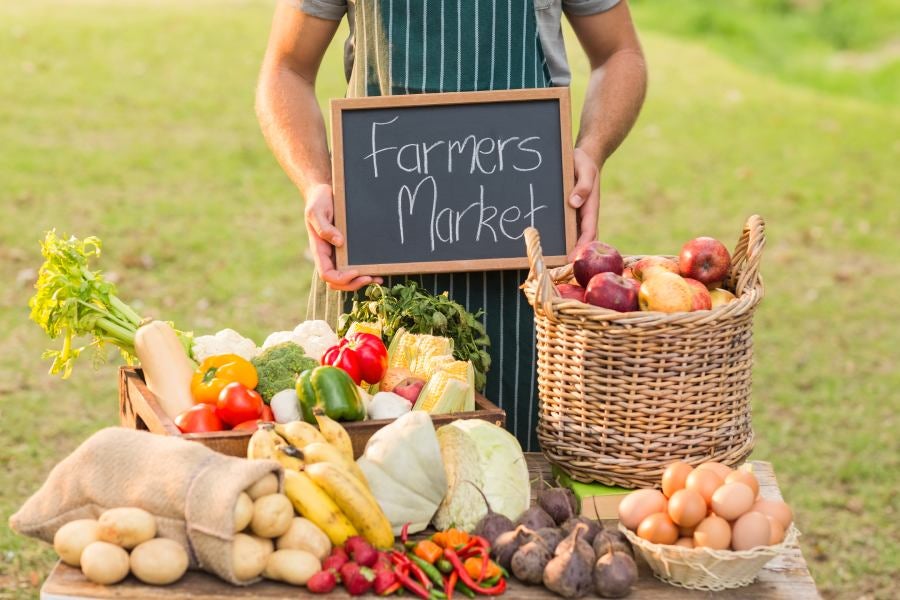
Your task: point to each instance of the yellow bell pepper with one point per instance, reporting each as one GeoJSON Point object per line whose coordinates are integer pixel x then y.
{"type": "Point", "coordinates": [216, 372]}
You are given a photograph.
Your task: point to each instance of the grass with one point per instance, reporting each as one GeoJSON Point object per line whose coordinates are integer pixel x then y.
{"type": "Point", "coordinates": [134, 122]}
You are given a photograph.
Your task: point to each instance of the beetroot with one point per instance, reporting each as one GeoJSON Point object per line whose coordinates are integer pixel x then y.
{"type": "Point", "coordinates": [492, 524]}
{"type": "Point", "coordinates": [322, 582]}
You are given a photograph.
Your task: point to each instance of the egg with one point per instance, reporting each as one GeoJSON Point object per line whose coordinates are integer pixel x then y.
{"type": "Point", "coordinates": [776, 533]}
{"type": "Point", "coordinates": [685, 542]}
{"type": "Point", "coordinates": [718, 468]}
{"type": "Point", "coordinates": [687, 508]}
{"type": "Point", "coordinates": [732, 500]}
{"type": "Point", "coordinates": [776, 509]}
{"type": "Point", "coordinates": [635, 507]}
{"type": "Point", "coordinates": [713, 532]}
{"type": "Point", "coordinates": [674, 476]}
{"type": "Point", "coordinates": [686, 532]}
{"type": "Point", "coordinates": [658, 528]}
{"type": "Point", "coordinates": [704, 482]}
{"type": "Point", "coordinates": [750, 531]}
{"type": "Point", "coordinates": [745, 477]}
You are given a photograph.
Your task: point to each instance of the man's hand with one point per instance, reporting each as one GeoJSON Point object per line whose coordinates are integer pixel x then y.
{"type": "Point", "coordinates": [586, 198]}
{"type": "Point", "coordinates": [324, 237]}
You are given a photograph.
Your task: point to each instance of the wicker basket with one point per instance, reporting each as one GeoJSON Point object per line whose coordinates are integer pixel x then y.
{"type": "Point", "coordinates": [707, 569]}
{"type": "Point", "coordinates": [622, 395]}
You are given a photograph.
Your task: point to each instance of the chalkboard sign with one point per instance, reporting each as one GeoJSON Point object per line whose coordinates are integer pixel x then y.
{"type": "Point", "coordinates": [436, 183]}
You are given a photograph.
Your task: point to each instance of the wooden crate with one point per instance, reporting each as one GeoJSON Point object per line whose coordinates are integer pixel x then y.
{"type": "Point", "coordinates": [139, 409]}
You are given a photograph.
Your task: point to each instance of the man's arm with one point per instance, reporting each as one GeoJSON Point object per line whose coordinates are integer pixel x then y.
{"type": "Point", "coordinates": [292, 124]}
{"type": "Point", "coordinates": [615, 93]}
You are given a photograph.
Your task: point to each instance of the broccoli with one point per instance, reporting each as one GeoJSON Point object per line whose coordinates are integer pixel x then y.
{"type": "Point", "coordinates": [278, 367]}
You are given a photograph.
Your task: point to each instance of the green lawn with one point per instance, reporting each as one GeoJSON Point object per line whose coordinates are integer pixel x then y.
{"type": "Point", "coordinates": [134, 121]}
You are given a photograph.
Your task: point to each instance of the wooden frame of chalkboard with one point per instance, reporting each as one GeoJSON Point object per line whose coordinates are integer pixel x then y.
{"type": "Point", "coordinates": [339, 107]}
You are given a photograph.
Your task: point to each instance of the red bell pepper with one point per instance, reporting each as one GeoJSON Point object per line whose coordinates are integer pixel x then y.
{"type": "Point", "coordinates": [362, 355]}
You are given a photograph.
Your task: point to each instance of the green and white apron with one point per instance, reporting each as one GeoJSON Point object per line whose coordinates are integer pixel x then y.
{"type": "Point", "coordinates": [421, 46]}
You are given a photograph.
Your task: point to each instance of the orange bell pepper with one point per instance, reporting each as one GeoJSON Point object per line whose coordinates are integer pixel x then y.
{"type": "Point", "coordinates": [451, 538]}
{"type": "Point", "coordinates": [473, 568]}
{"type": "Point", "coordinates": [428, 551]}
{"type": "Point", "coordinates": [216, 372]}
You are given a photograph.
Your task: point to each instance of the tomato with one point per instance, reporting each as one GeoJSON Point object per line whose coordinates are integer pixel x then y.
{"type": "Point", "coordinates": [362, 355]}
{"type": "Point", "coordinates": [251, 425]}
{"type": "Point", "coordinates": [237, 404]}
{"type": "Point", "coordinates": [199, 418]}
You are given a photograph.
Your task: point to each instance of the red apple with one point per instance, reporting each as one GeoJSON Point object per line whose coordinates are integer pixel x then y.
{"type": "Point", "coordinates": [646, 265]}
{"type": "Point", "coordinates": [699, 295]}
{"type": "Point", "coordinates": [719, 297]}
{"type": "Point", "coordinates": [665, 292]}
{"type": "Point", "coordinates": [567, 290]}
{"type": "Point", "coordinates": [410, 388]}
{"type": "Point", "coordinates": [608, 290]}
{"type": "Point", "coordinates": [594, 258]}
{"type": "Point", "coordinates": [705, 259]}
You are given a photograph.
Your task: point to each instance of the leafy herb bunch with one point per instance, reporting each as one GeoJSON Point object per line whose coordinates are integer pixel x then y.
{"type": "Point", "coordinates": [410, 307]}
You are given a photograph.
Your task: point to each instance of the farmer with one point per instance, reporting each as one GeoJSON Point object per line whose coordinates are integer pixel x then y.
{"type": "Point", "coordinates": [423, 46]}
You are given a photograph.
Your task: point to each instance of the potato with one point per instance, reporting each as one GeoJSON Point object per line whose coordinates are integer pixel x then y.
{"type": "Point", "coordinates": [243, 512]}
{"type": "Point", "coordinates": [303, 534]}
{"type": "Point", "coordinates": [248, 556]}
{"type": "Point", "coordinates": [268, 484]}
{"type": "Point", "coordinates": [159, 561]}
{"type": "Point", "coordinates": [272, 515]}
{"type": "Point", "coordinates": [292, 566]}
{"type": "Point", "coordinates": [127, 527]}
{"type": "Point", "coordinates": [71, 539]}
{"type": "Point", "coordinates": [104, 563]}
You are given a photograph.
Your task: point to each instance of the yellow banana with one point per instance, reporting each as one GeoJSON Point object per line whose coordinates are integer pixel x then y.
{"type": "Point", "coordinates": [262, 443]}
{"type": "Point", "coordinates": [289, 457]}
{"type": "Point", "coordinates": [318, 452]}
{"type": "Point", "coordinates": [299, 433]}
{"type": "Point", "coordinates": [334, 433]}
{"type": "Point", "coordinates": [313, 503]}
{"type": "Point", "coordinates": [353, 499]}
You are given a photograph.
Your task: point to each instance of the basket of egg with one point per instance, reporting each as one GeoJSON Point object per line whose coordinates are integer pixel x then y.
{"type": "Point", "coordinates": [708, 529]}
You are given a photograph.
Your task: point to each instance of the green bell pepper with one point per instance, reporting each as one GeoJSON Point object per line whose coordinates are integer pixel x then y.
{"type": "Point", "coordinates": [333, 390]}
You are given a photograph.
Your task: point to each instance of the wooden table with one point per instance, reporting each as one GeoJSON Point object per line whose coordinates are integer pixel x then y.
{"type": "Point", "coordinates": [785, 577]}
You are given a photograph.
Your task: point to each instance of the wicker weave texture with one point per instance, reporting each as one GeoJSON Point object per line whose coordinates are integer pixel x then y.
{"type": "Point", "coordinates": [622, 395]}
{"type": "Point", "coordinates": [707, 569]}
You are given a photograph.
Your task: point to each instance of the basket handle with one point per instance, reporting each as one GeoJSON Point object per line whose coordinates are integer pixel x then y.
{"type": "Point", "coordinates": [747, 255]}
{"type": "Point", "coordinates": [546, 291]}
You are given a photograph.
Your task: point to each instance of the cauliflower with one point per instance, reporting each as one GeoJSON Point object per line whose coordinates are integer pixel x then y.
{"type": "Point", "coordinates": [315, 337]}
{"type": "Point", "coordinates": [278, 367]}
{"type": "Point", "coordinates": [226, 341]}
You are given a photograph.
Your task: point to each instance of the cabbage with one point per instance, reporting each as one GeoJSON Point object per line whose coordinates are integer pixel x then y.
{"type": "Point", "coordinates": [481, 455]}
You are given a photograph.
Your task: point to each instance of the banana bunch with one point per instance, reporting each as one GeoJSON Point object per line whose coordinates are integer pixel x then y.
{"type": "Point", "coordinates": [322, 480]}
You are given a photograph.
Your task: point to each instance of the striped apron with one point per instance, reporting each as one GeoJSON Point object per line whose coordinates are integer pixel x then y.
{"type": "Point", "coordinates": [420, 46]}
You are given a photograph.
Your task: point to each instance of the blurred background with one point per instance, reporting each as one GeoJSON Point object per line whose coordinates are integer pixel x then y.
{"type": "Point", "coordinates": [133, 120]}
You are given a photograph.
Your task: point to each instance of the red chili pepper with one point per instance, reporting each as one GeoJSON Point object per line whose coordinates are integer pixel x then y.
{"type": "Point", "coordinates": [451, 584]}
{"type": "Point", "coordinates": [495, 590]}
{"type": "Point", "coordinates": [404, 532]}
{"type": "Point", "coordinates": [485, 560]}
{"type": "Point", "coordinates": [402, 573]}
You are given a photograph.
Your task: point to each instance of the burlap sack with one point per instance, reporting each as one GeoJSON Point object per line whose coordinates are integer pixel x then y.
{"type": "Point", "coordinates": [190, 489]}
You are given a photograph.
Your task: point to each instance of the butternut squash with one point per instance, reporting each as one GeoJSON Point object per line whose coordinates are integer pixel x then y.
{"type": "Point", "coordinates": [167, 368]}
